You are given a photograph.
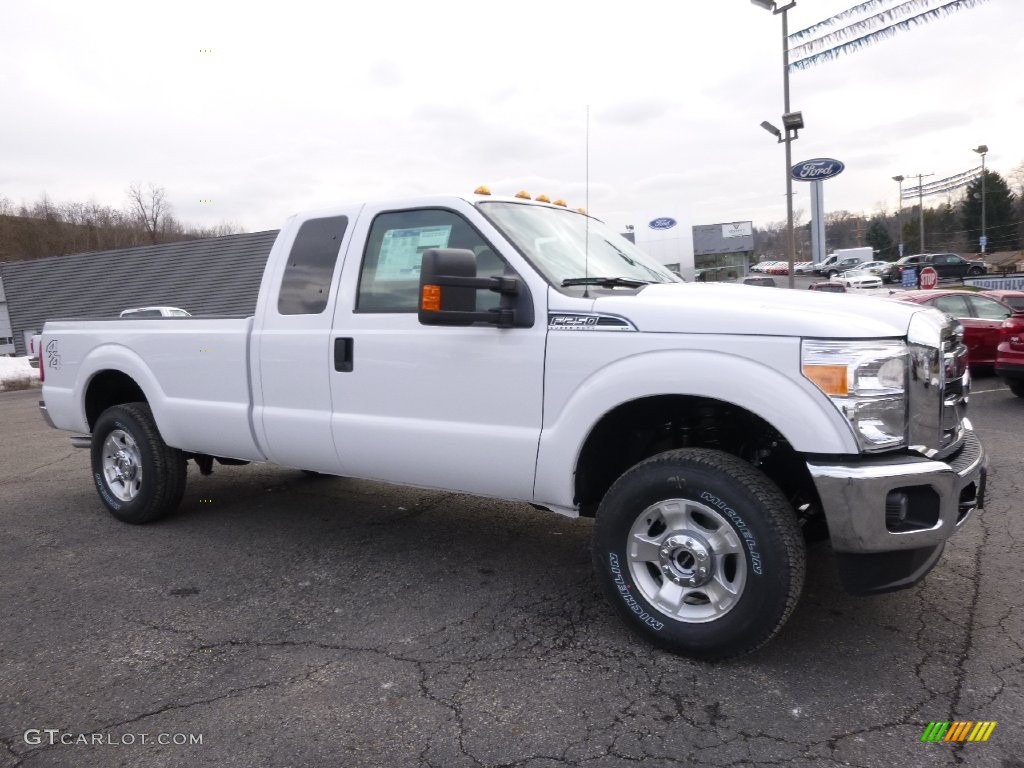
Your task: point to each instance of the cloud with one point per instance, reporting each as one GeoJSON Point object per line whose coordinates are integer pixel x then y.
{"type": "Point", "coordinates": [384, 73]}
{"type": "Point", "coordinates": [633, 113]}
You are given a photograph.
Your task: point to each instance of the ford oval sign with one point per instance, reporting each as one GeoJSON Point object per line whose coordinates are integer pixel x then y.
{"type": "Point", "coordinates": [818, 169]}
{"type": "Point", "coordinates": [663, 222]}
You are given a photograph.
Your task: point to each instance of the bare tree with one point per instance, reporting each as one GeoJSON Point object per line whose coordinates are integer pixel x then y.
{"type": "Point", "coordinates": [150, 207]}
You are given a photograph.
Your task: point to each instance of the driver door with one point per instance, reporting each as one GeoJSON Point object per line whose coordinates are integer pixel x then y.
{"type": "Point", "coordinates": [454, 407]}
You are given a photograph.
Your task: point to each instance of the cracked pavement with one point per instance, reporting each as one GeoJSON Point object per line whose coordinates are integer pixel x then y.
{"type": "Point", "coordinates": [297, 621]}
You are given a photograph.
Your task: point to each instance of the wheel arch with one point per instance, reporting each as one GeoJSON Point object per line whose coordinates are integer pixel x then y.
{"type": "Point", "coordinates": [108, 388]}
{"type": "Point", "coordinates": [113, 375]}
{"type": "Point", "coordinates": [682, 389]}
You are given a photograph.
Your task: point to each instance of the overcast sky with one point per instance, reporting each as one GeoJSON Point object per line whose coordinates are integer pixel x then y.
{"type": "Point", "coordinates": [303, 104]}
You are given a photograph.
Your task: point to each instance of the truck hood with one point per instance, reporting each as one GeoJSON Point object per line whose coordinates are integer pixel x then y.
{"type": "Point", "coordinates": [757, 310]}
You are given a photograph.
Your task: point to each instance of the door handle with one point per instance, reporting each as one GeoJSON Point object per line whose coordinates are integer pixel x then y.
{"type": "Point", "coordinates": [343, 354]}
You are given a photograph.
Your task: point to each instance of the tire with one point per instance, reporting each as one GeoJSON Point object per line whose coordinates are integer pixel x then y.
{"type": "Point", "coordinates": [1016, 386]}
{"type": "Point", "coordinates": [831, 275]}
{"type": "Point", "coordinates": [683, 509]}
{"type": "Point", "coordinates": [138, 476]}
{"type": "Point", "coordinates": [974, 272]}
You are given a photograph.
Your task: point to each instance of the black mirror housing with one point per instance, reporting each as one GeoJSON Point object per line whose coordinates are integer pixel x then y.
{"type": "Point", "coordinates": [448, 289]}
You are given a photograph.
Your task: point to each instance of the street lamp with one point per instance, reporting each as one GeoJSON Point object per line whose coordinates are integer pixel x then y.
{"type": "Point", "coordinates": [899, 215]}
{"type": "Point", "coordinates": [791, 121]}
{"type": "Point", "coordinates": [982, 149]}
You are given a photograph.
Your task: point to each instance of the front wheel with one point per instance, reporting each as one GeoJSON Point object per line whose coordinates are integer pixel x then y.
{"type": "Point", "coordinates": [1016, 386]}
{"type": "Point", "coordinates": [700, 553]}
{"type": "Point", "coordinates": [139, 477]}
{"type": "Point", "coordinates": [974, 272]}
{"type": "Point", "coordinates": [832, 275]}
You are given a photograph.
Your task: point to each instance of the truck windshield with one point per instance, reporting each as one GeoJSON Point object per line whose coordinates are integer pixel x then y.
{"type": "Point", "coordinates": [556, 241]}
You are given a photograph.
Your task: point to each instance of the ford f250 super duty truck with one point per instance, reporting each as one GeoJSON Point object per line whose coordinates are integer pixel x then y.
{"type": "Point", "coordinates": [516, 349]}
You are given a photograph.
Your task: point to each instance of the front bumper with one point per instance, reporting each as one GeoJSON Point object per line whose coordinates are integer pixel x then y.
{"type": "Point", "coordinates": [889, 517]}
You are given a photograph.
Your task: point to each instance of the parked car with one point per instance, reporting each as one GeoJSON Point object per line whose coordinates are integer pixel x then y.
{"type": "Point", "coordinates": [947, 265]}
{"type": "Point", "coordinates": [779, 268]}
{"type": "Point", "coordinates": [766, 281]}
{"type": "Point", "coordinates": [839, 266]}
{"type": "Point", "coordinates": [859, 279]}
{"type": "Point", "coordinates": [803, 268]}
{"type": "Point", "coordinates": [1013, 299]}
{"type": "Point", "coordinates": [981, 317]}
{"type": "Point", "coordinates": [763, 266]}
{"type": "Point", "coordinates": [876, 267]}
{"type": "Point", "coordinates": [1010, 353]}
{"type": "Point", "coordinates": [828, 286]}
{"type": "Point", "coordinates": [138, 312]}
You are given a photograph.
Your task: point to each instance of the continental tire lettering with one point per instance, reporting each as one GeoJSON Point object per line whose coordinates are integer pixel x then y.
{"type": "Point", "coordinates": [101, 483]}
{"type": "Point", "coordinates": [741, 526]}
{"type": "Point", "coordinates": [634, 606]}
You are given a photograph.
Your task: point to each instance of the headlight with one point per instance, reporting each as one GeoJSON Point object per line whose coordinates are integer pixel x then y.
{"type": "Point", "coordinates": [867, 382]}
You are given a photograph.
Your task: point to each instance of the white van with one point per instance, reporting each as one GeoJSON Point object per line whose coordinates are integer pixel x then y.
{"type": "Point", "coordinates": [843, 259]}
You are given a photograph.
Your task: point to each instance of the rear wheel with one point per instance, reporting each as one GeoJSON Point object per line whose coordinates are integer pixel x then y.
{"type": "Point", "coordinates": [700, 553]}
{"type": "Point", "coordinates": [138, 476]}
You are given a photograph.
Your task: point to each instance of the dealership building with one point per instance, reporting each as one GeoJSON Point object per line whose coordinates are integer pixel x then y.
{"type": "Point", "coordinates": [692, 250]}
{"type": "Point", "coordinates": [215, 276]}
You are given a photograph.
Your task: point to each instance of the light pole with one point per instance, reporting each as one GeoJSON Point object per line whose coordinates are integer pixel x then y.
{"type": "Point", "coordinates": [899, 215]}
{"type": "Point", "coordinates": [982, 149]}
{"type": "Point", "coordinates": [792, 122]}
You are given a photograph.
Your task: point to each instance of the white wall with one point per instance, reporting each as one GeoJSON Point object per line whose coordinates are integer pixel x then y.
{"type": "Point", "coordinates": [668, 246]}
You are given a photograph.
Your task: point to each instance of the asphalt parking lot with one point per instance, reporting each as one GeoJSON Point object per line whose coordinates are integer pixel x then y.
{"type": "Point", "coordinates": [281, 620]}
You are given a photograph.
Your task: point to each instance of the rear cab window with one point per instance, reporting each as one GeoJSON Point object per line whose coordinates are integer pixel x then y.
{"type": "Point", "coordinates": [306, 283]}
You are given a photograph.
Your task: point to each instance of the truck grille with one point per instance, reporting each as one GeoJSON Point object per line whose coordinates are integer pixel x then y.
{"type": "Point", "coordinates": [938, 386]}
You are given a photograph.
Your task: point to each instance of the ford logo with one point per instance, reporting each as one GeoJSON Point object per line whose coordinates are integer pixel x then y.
{"type": "Point", "coordinates": [818, 169]}
{"type": "Point", "coordinates": [663, 222]}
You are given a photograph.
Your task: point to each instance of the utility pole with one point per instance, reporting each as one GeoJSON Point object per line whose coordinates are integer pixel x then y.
{"type": "Point", "coordinates": [920, 200]}
{"type": "Point", "coordinates": [899, 215]}
{"type": "Point", "coordinates": [982, 150]}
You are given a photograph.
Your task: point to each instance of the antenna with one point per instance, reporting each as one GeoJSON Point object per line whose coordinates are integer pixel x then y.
{"type": "Point", "coordinates": [586, 203]}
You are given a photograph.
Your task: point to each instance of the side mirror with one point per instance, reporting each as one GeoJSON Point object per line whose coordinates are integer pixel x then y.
{"type": "Point", "coordinates": [448, 288]}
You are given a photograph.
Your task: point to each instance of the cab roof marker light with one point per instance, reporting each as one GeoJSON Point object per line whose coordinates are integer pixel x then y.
{"type": "Point", "coordinates": [483, 189]}
{"type": "Point", "coordinates": [561, 202]}
{"type": "Point", "coordinates": [542, 198]}
{"type": "Point", "coordinates": [523, 194]}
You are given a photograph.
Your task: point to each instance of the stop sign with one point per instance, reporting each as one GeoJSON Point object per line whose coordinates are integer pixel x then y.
{"type": "Point", "coordinates": [929, 278]}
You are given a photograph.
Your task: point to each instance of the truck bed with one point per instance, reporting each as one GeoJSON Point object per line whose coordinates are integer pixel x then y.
{"type": "Point", "coordinates": [195, 373]}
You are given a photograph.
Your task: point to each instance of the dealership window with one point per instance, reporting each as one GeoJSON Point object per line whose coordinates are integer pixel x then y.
{"type": "Point", "coordinates": [306, 283]}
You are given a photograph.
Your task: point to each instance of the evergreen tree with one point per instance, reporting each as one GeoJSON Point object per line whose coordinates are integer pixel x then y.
{"type": "Point", "coordinates": [879, 239]}
{"type": "Point", "coordinates": [1001, 225]}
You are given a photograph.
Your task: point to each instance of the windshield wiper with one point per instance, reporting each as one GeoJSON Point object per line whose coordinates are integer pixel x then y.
{"type": "Point", "coordinates": [610, 282]}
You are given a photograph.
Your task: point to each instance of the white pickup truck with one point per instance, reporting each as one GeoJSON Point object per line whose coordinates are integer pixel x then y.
{"type": "Point", "coordinates": [516, 349]}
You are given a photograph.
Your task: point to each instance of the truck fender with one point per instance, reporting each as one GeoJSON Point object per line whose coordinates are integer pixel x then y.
{"type": "Point", "coordinates": [115, 357]}
{"type": "Point", "coordinates": [794, 406]}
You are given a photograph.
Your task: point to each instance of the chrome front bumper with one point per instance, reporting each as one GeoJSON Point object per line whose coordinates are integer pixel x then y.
{"type": "Point", "coordinates": [854, 496]}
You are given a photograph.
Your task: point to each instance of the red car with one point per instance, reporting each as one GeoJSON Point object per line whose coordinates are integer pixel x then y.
{"type": "Point", "coordinates": [1013, 299]}
{"type": "Point", "coordinates": [1010, 354]}
{"type": "Point", "coordinates": [981, 317]}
